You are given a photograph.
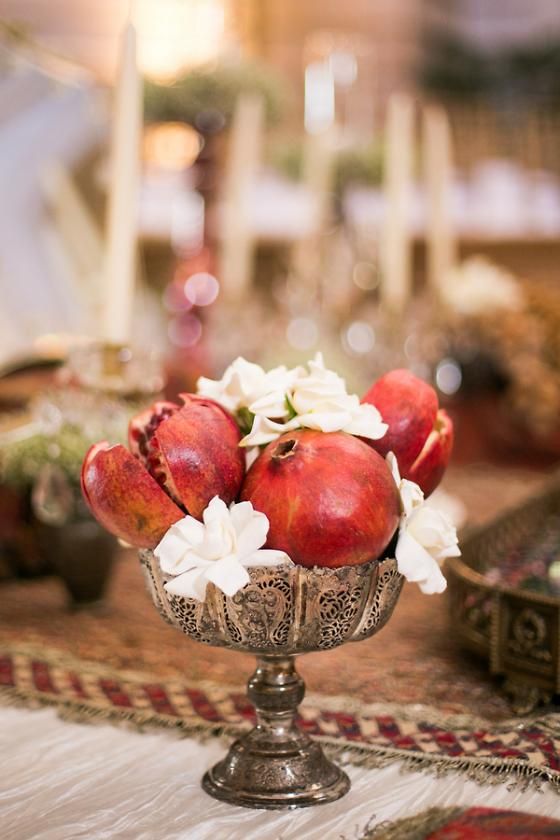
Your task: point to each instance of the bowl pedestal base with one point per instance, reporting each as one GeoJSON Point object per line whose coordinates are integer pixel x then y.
{"type": "Point", "coordinates": [275, 766]}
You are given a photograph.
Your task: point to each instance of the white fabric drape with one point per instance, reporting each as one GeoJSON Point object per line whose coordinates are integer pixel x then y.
{"type": "Point", "coordinates": [60, 125]}
{"type": "Point", "coordinates": [63, 781]}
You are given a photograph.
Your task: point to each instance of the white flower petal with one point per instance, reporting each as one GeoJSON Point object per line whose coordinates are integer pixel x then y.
{"type": "Point", "coordinates": [190, 560]}
{"type": "Point", "coordinates": [413, 561]}
{"type": "Point", "coordinates": [240, 385]}
{"type": "Point", "coordinates": [266, 557]}
{"type": "Point", "coordinates": [366, 422]}
{"type": "Point", "coordinates": [272, 404]}
{"type": "Point", "coordinates": [432, 528]}
{"type": "Point", "coordinates": [317, 361]}
{"type": "Point", "coordinates": [179, 549]}
{"type": "Point", "coordinates": [391, 459]}
{"type": "Point", "coordinates": [435, 584]}
{"type": "Point", "coordinates": [240, 515]}
{"type": "Point", "coordinates": [217, 510]}
{"type": "Point", "coordinates": [219, 540]}
{"type": "Point", "coordinates": [315, 396]}
{"type": "Point", "coordinates": [216, 391]}
{"type": "Point", "coordinates": [252, 535]}
{"type": "Point", "coordinates": [412, 496]}
{"type": "Point", "coordinates": [192, 584]}
{"type": "Point", "coordinates": [251, 455]}
{"type": "Point", "coordinates": [170, 551]}
{"type": "Point", "coordinates": [263, 431]}
{"type": "Point", "coordinates": [189, 529]}
{"type": "Point", "coordinates": [452, 550]}
{"type": "Point", "coordinates": [228, 575]}
{"type": "Point", "coordinates": [218, 535]}
{"type": "Point", "coordinates": [318, 371]}
{"type": "Point", "coordinates": [325, 421]}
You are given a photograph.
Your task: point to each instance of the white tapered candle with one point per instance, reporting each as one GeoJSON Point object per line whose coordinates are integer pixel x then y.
{"type": "Point", "coordinates": [120, 258]}
{"type": "Point", "coordinates": [441, 243]}
{"type": "Point", "coordinates": [395, 247]}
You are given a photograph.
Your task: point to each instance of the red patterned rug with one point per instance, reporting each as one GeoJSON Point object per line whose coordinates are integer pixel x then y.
{"type": "Point", "coordinates": [467, 824]}
{"type": "Point", "coordinates": [521, 752]}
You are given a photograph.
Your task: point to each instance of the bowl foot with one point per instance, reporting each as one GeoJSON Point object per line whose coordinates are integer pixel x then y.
{"type": "Point", "coordinates": [259, 774]}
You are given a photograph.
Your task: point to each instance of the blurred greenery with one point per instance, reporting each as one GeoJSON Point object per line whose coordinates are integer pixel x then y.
{"type": "Point", "coordinates": [358, 165]}
{"type": "Point", "coordinates": [205, 98]}
{"type": "Point", "coordinates": [453, 68]}
{"type": "Point", "coordinates": [21, 461]}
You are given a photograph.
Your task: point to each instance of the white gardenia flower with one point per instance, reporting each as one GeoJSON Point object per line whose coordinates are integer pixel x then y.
{"type": "Point", "coordinates": [319, 398]}
{"type": "Point", "coordinates": [322, 402]}
{"type": "Point", "coordinates": [426, 536]}
{"type": "Point", "coordinates": [245, 384]}
{"type": "Point", "coordinates": [219, 549]}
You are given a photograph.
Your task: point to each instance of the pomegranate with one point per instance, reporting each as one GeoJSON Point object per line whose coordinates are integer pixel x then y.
{"type": "Point", "coordinates": [124, 497]}
{"type": "Point", "coordinates": [192, 451]}
{"type": "Point", "coordinates": [330, 499]}
{"type": "Point", "coordinates": [429, 467]}
{"type": "Point", "coordinates": [420, 435]}
{"type": "Point", "coordinates": [182, 456]}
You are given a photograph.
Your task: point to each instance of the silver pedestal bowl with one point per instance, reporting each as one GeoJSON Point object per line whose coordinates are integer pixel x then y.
{"type": "Point", "coordinates": [284, 611]}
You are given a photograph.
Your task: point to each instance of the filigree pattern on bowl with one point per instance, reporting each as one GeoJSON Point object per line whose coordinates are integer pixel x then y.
{"type": "Point", "coordinates": [284, 609]}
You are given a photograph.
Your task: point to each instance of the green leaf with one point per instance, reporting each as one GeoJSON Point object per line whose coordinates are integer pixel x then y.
{"type": "Point", "coordinates": [245, 419]}
{"type": "Point", "coordinates": [291, 409]}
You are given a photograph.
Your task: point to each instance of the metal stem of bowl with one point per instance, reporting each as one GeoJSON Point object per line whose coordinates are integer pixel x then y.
{"type": "Point", "coordinates": [276, 765]}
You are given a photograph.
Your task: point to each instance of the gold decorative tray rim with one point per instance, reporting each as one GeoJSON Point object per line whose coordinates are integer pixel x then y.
{"type": "Point", "coordinates": [470, 536]}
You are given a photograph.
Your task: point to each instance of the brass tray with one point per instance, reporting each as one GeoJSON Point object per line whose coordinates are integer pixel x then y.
{"type": "Point", "coordinates": [505, 597]}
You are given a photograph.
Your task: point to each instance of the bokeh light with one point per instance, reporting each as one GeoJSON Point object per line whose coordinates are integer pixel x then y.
{"type": "Point", "coordinates": [201, 289]}
{"type": "Point", "coordinates": [359, 338]}
{"type": "Point", "coordinates": [302, 333]}
{"type": "Point", "coordinates": [171, 145]}
{"type": "Point", "coordinates": [184, 330]}
{"type": "Point", "coordinates": [448, 376]}
{"type": "Point", "coordinates": [365, 276]}
{"type": "Point", "coordinates": [174, 34]}
{"type": "Point", "coordinates": [174, 298]}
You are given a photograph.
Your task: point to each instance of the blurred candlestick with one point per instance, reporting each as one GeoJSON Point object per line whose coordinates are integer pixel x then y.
{"type": "Point", "coordinates": [120, 261]}
{"type": "Point", "coordinates": [440, 238]}
{"type": "Point", "coordinates": [395, 248]}
{"type": "Point", "coordinates": [244, 157]}
{"type": "Point", "coordinates": [319, 97]}
{"type": "Point", "coordinates": [317, 178]}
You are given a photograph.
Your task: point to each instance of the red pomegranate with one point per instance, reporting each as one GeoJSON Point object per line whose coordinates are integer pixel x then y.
{"type": "Point", "coordinates": [330, 499]}
{"type": "Point", "coordinates": [420, 435]}
{"type": "Point", "coordinates": [182, 456]}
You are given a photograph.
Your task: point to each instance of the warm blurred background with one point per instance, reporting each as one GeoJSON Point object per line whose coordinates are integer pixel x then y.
{"type": "Point", "coordinates": [379, 181]}
{"type": "Point", "coordinates": [430, 127]}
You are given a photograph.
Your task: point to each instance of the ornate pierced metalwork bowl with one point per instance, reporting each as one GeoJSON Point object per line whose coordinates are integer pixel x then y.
{"type": "Point", "coordinates": [505, 598]}
{"type": "Point", "coordinates": [283, 611]}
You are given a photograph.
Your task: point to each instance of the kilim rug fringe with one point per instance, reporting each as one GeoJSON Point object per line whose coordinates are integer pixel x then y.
{"type": "Point", "coordinates": [521, 753]}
